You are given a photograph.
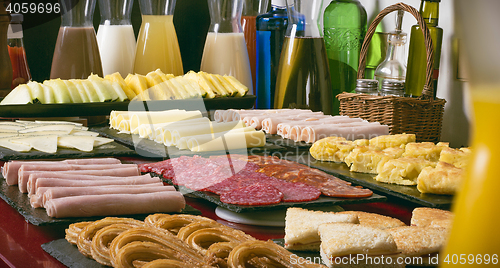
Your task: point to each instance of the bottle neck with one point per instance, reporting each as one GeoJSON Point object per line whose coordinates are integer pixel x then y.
{"type": "Point", "coordinates": [278, 4]}
{"type": "Point", "coordinates": [430, 12]}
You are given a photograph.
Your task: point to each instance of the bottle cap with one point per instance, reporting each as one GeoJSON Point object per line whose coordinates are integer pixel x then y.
{"type": "Point", "coordinates": [366, 83]}
{"type": "Point", "coordinates": [391, 84]}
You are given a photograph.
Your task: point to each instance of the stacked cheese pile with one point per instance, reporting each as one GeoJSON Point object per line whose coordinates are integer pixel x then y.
{"type": "Point", "coordinates": [154, 86]}
{"type": "Point", "coordinates": [398, 159]}
{"type": "Point", "coordinates": [47, 136]}
{"type": "Point", "coordinates": [163, 240]}
{"type": "Point", "coordinates": [91, 187]}
{"type": "Point", "coordinates": [358, 235]}
{"type": "Point", "coordinates": [303, 125]}
{"type": "Point", "coordinates": [187, 130]}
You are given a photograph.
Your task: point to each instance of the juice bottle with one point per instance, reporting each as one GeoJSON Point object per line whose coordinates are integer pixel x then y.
{"type": "Point", "coordinates": [157, 45]}
{"type": "Point", "coordinates": [225, 50]}
{"type": "Point", "coordinates": [76, 55]}
{"type": "Point", "coordinates": [115, 37]}
{"type": "Point", "coordinates": [303, 78]}
{"type": "Point", "coordinates": [474, 235]}
{"type": "Point", "coordinates": [5, 64]}
{"type": "Point", "coordinates": [251, 9]}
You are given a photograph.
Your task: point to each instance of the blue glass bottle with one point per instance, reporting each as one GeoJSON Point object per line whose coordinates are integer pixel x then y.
{"type": "Point", "coordinates": [271, 28]}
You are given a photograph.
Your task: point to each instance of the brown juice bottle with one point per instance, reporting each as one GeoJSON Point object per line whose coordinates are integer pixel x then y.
{"type": "Point", "coordinates": [76, 55]}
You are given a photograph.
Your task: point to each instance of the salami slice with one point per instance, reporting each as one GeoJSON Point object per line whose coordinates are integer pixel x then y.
{"type": "Point", "coordinates": [297, 192]}
{"type": "Point", "coordinates": [254, 195]}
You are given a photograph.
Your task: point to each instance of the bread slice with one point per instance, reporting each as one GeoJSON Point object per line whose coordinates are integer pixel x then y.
{"type": "Point", "coordinates": [444, 179]}
{"type": "Point", "coordinates": [375, 220]}
{"type": "Point", "coordinates": [391, 141]}
{"type": "Point", "coordinates": [344, 240]}
{"type": "Point", "coordinates": [423, 217]}
{"type": "Point", "coordinates": [301, 227]}
{"type": "Point", "coordinates": [402, 171]}
{"type": "Point", "coordinates": [415, 241]}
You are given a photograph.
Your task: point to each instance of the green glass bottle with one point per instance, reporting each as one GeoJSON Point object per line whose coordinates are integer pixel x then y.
{"type": "Point", "coordinates": [415, 77]}
{"type": "Point", "coordinates": [378, 44]}
{"type": "Point", "coordinates": [344, 24]}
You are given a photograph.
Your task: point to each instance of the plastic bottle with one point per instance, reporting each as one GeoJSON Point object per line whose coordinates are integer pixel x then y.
{"type": "Point", "coordinates": [417, 57]}
{"type": "Point", "coordinates": [20, 70]}
{"type": "Point", "coordinates": [344, 30]}
{"type": "Point", "coordinates": [271, 29]}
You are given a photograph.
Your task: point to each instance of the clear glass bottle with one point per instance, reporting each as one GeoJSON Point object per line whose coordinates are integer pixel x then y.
{"type": "Point", "coordinates": [225, 50]}
{"type": "Point", "coordinates": [20, 70]}
{"type": "Point", "coordinates": [344, 28]}
{"type": "Point", "coordinates": [115, 37]}
{"type": "Point", "coordinates": [393, 67]}
{"type": "Point", "coordinates": [157, 45]}
{"type": "Point", "coordinates": [271, 29]}
{"type": "Point", "coordinates": [367, 86]}
{"type": "Point", "coordinates": [417, 56]}
{"type": "Point", "coordinates": [252, 9]}
{"type": "Point", "coordinates": [303, 78]}
{"type": "Point", "coordinates": [76, 55]}
{"type": "Point", "coordinates": [5, 64]}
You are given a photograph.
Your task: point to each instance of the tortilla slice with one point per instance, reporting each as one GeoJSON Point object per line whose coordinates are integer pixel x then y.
{"type": "Point", "coordinates": [6, 143]}
{"type": "Point", "coordinates": [47, 144]}
{"type": "Point", "coordinates": [82, 143]}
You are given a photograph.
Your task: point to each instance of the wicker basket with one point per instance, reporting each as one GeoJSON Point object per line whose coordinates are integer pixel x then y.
{"type": "Point", "coordinates": [422, 116]}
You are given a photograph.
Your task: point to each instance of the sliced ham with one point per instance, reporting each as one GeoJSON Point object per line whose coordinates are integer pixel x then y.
{"type": "Point", "coordinates": [115, 204]}
{"type": "Point", "coordinates": [58, 192]}
{"type": "Point", "coordinates": [31, 186]}
{"type": "Point", "coordinates": [350, 131]}
{"type": "Point", "coordinates": [11, 168]}
{"type": "Point", "coordinates": [52, 182]}
{"type": "Point", "coordinates": [102, 170]}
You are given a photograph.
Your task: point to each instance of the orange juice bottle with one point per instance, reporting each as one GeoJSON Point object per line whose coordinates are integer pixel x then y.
{"type": "Point", "coordinates": [474, 238]}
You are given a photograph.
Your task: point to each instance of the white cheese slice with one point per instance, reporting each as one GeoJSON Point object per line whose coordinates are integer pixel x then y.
{"type": "Point", "coordinates": [48, 144]}
{"type": "Point", "coordinates": [82, 143]}
{"type": "Point", "coordinates": [232, 141]}
{"type": "Point", "coordinates": [10, 128]}
{"type": "Point", "coordinates": [83, 133]}
{"type": "Point", "coordinates": [58, 122]}
{"type": "Point", "coordinates": [57, 127]}
{"type": "Point", "coordinates": [4, 142]}
{"type": "Point", "coordinates": [98, 141]}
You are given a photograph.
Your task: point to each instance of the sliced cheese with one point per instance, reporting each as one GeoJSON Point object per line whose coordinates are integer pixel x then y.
{"type": "Point", "coordinates": [48, 144]}
{"type": "Point", "coordinates": [138, 119]}
{"type": "Point", "coordinates": [82, 143]}
{"type": "Point", "coordinates": [98, 141]}
{"type": "Point", "coordinates": [231, 141]}
{"type": "Point", "coordinates": [55, 127]}
{"type": "Point", "coordinates": [84, 133]}
{"type": "Point", "coordinates": [18, 147]}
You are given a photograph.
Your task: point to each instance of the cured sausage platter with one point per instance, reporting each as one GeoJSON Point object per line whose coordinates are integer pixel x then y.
{"type": "Point", "coordinates": [408, 193]}
{"type": "Point", "coordinates": [104, 108]}
{"type": "Point", "coordinates": [38, 216]}
{"type": "Point", "coordinates": [151, 149]}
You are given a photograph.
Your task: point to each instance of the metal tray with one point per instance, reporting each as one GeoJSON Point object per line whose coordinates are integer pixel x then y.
{"type": "Point", "coordinates": [38, 216]}
{"type": "Point", "coordinates": [104, 108]}
{"type": "Point", "coordinates": [409, 193]}
{"type": "Point", "coordinates": [149, 148]}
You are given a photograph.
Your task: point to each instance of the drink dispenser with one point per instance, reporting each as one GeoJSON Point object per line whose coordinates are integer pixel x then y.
{"type": "Point", "coordinates": [76, 54]}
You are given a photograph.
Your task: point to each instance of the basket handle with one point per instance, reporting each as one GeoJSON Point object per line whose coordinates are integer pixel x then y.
{"type": "Point", "coordinates": [428, 91]}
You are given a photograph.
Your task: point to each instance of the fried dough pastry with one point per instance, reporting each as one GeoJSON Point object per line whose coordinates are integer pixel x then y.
{"type": "Point", "coordinates": [84, 240]}
{"type": "Point", "coordinates": [74, 230]}
{"type": "Point", "coordinates": [172, 223]}
{"type": "Point", "coordinates": [102, 239]}
{"type": "Point", "coordinates": [248, 251]}
{"type": "Point", "coordinates": [202, 239]}
{"type": "Point", "coordinates": [145, 244]}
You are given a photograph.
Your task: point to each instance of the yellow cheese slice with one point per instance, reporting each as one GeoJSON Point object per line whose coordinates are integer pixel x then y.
{"type": "Point", "coordinates": [82, 143]}
{"type": "Point", "coordinates": [18, 147]}
{"type": "Point", "coordinates": [160, 128]}
{"type": "Point", "coordinates": [172, 136]}
{"type": "Point", "coordinates": [48, 144]}
{"type": "Point", "coordinates": [221, 127]}
{"type": "Point", "coordinates": [161, 117]}
{"type": "Point", "coordinates": [196, 140]}
{"type": "Point", "coordinates": [232, 141]}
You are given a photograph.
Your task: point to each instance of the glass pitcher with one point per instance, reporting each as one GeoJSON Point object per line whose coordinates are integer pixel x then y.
{"type": "Point", "coordinates": [157, 45]}
{"type": "Point", "coordinates": [251, 9]}
{"type": "Point", "coordinates": [115, 37]}
{"type": "Point", "coordinates": [303, 78]}
{"type": "Point", "coordinates": [76, 54]}
{"type": "Point", "coordinates": [225, 50]}
{"type": "Point", "coordinates": [475, 232]}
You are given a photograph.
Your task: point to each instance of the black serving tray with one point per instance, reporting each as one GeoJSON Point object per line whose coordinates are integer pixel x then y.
{"type": "Point", "coordinates": [38, 216]}
{"type": "Point", "coordinates": [105, 108]}
{"type": "Point", "coordinates": [112, 149]}
{"type": "Point", "coordinates": [278, 140]}
{"type": "Point", "coordinates": [409, 193]}
{"type": "Point", "coordinates": [152, 149]}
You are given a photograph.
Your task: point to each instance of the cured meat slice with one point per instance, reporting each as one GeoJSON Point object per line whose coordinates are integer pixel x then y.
{"type": "Point", "coordinates": [179, 165]}
{"type": "Point", "coordinates": [253, 195]}
{"type": "Point", "coordinates": [297, 192]}
{"type": "Point", "coordinates": [242, 179]}
{"type": "Point", "coordinates": [197, 178]}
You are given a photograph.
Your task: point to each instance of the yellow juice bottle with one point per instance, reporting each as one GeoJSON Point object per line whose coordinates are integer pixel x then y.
{"type": "Point", "coordinates": [157, 46]}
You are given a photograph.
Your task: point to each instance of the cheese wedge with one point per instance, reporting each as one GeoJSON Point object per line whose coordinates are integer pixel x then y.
{"type": "Point", "coordinates": [18, 147]}
{"type": "Point", "coordinates": [53, 127]}
{"type": "Point", "coordinates": [82, 143]}
{"type": "Point", "coordinates": [98, 141]}
{"type": "Point", "coordinates": [47, 144]}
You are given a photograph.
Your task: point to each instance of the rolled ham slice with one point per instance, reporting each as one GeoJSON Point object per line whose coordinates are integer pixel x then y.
{"type": "Point", "coordinates": [350, 131]}
{"type": "Point", "coordinates": [11, 168]}
{"type": "Point", "coordinates": [31, 186]}
{"type": "Point", "coordinates": [53, 182]}
{"type": "Point", "coordinates": [115, 204]}
{"type": "Point", "coordinates": [116, 172]}
{"type": "Point", "coordinates": [59, 192]}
